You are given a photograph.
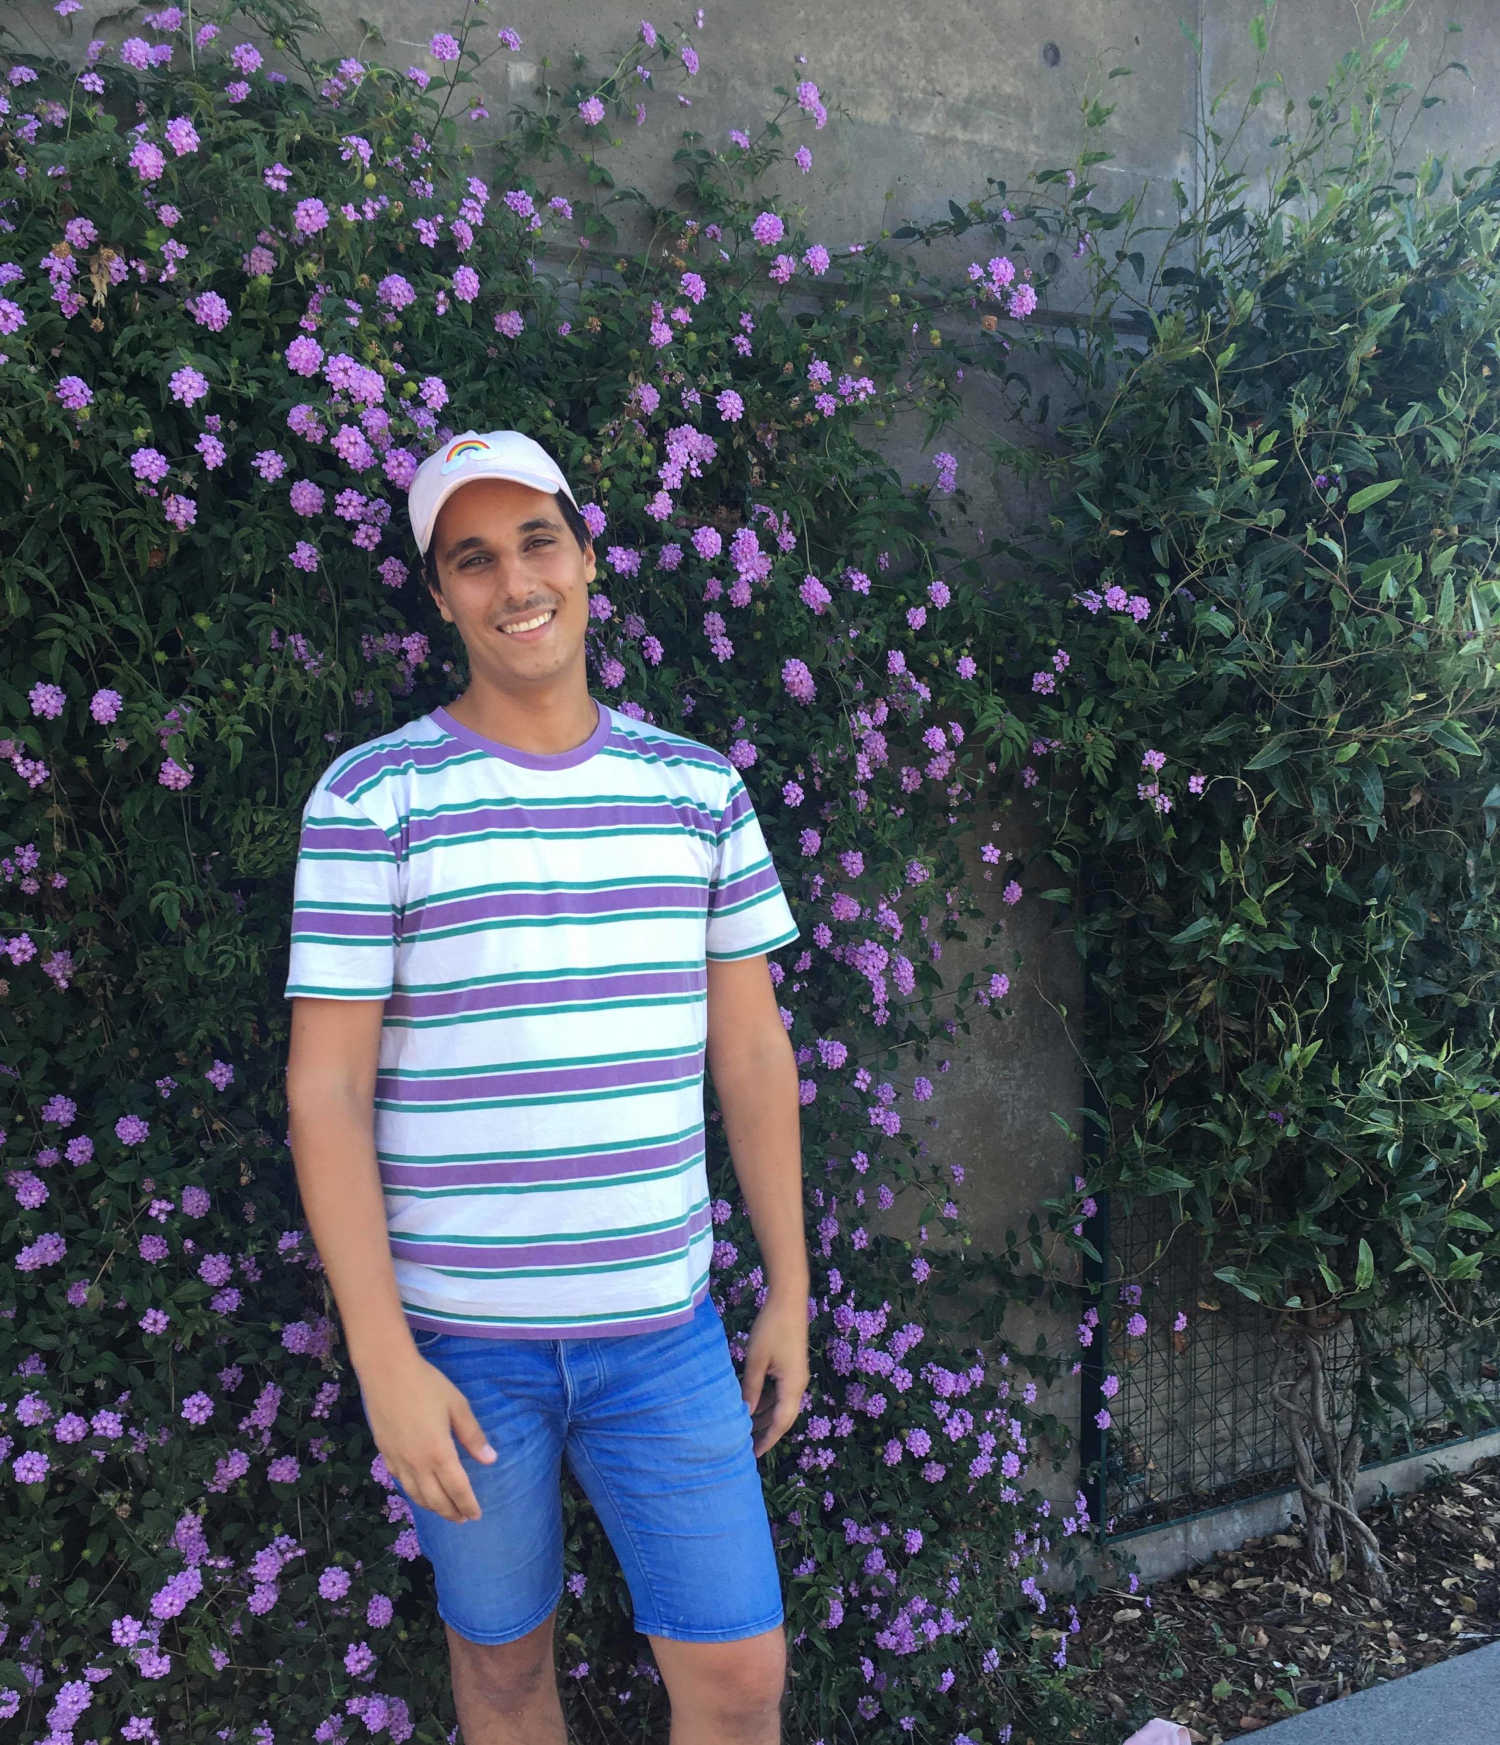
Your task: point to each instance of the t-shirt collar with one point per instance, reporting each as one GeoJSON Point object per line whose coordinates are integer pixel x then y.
{"type": "Point", "coordinates": [538, 760]}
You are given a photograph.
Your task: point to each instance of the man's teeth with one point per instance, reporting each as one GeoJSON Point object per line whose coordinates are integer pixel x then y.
{"type": "Point", "coordinates": [526, 624]}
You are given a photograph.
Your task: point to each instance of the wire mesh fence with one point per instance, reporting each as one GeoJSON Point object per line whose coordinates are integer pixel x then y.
{"type": "Point", "coordinates": [1194, 1423]}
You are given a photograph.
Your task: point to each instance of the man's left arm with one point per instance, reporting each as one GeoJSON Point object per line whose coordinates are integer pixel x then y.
{"type": "Point", "coordinates": [755, 1078]}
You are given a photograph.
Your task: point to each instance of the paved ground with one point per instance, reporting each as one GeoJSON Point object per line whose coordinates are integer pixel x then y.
{"type": "Point", "coordinates": [1454, 1703]}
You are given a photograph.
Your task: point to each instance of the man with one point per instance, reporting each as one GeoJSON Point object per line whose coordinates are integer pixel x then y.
{"type": "Point", "coordinates": [521, 922]}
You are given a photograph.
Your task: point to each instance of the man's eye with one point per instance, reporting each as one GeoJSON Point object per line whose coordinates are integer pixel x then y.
{"type": "Point", "coordinates": [537, 544]}
{"type": "Point", "coordinates": [474, 558]}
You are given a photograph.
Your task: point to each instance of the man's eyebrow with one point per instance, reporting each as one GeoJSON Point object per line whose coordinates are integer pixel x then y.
{"type": "Point", "coordinates": [537, 524]}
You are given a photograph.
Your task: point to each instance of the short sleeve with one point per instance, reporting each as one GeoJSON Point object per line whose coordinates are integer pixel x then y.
{"type": "Point", "coordinates": [747, 909]}
{"type": "Point", "coordinates": [346, 906]}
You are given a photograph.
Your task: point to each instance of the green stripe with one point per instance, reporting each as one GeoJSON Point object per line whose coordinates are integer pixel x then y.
{"type": "Point", "coordinates": [422, 773]}
{"type": "Point", "coordinates": [591, 1183]}
{"type": "Point", "coordinates": [513, 886]}
{"type": "Point", "coordinates": [752, 866]}
{"type": "Point", "coordinates": [346, 854]}
{"type": "Point", "coordinates": [337, 939]}
{"type": "Point", "coordinates": [447, 1107]}
{"type": "Point", "coordinates": [751, 951]}
{"type": "Point", "coordinates": [666, 1259]}
{"type": "Point", "coordinates": [346, 760]}
{"type": "Point", "coordinates": [738, 825]}
{"type": "Point", "coordinates": [562, 1060]}
{"type": "Point", "coordinates": [555, 836]}
{"type": "Point", "coordinates": [337, 993]}
{"type": "Point", "coordinates": [496, 1016]}
{"type": "Point", "coordinates": [596, 1320]}
{"type": "Point", "coordinates": [318, 906]}
{"type": "Point", "coordinates": [602, 1150]}
{"type": "Point", "coordinates": [645, 756]}
{"type": "Point", "coordinates": [530, 975]}
{"type": "Point", "coordinates": [557, 1236]}
{"type": "Point", "coordinates": [744, 903]}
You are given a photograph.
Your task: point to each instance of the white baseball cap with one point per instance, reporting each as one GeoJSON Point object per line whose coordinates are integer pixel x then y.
{"type": "Point", "coordinates": [499, 454]}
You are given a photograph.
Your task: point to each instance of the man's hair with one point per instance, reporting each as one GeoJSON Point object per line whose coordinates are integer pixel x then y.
{"type": "Point", "coordinates": [575, 523]}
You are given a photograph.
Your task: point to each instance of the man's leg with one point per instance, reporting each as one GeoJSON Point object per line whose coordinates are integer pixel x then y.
{"type": "Point", "coordinates": [724, 1693]}
{"type": "Point", "coordinates": [507, 1694]}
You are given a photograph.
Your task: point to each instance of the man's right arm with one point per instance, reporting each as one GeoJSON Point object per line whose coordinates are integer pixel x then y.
{"type": "Point", "coordinates": [415, 1412]}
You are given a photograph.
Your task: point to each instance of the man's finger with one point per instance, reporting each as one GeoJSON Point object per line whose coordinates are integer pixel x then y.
{"type": "Point", "coordinates": [458, 1493]}
{"type": "Point", "coordinates": [467, 1431]}
{"type": "Point", "coordinates": [438, 1484]}
{"type": "Point", "coordinates": [782, 1417]}
{"type": "Point", "coordinates": [441, 1488]}
{"type": "Point", "coordinates": [424, 1494]}
{"type": "Point", "coordinates": [753, 1381]}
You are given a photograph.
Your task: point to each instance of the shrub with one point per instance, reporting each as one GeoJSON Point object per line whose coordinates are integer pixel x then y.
{"type": "Point", "coordinates": [238, 302]}
{"type": "Point", "coordinates": [1255, 702]}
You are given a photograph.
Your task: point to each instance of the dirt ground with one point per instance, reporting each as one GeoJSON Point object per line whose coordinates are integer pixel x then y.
{"type": "Point", "coordinates": [1249, 1638]}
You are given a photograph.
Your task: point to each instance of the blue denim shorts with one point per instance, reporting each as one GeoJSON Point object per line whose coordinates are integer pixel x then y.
{"type": "Point", "coordinates": [655, 1430]}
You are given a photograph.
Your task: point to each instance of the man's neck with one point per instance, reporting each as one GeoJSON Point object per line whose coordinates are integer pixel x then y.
{"type": "Point", "coordinates": [544, 726]}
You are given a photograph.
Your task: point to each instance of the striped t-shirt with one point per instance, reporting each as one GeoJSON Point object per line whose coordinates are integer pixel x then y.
{"type": "Point", "coordinates": [538, 927]}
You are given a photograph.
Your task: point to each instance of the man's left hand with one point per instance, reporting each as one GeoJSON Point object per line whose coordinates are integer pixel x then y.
{"type": "Point", "coordinates": [776, 1370]}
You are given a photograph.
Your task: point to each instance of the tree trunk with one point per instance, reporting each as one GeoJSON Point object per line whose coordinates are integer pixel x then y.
{"type": "Point", "coordinates": [1326, 1460]}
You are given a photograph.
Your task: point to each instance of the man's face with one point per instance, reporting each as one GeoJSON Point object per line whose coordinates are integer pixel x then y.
{"type": "Point", "coordinates": [514, 582]}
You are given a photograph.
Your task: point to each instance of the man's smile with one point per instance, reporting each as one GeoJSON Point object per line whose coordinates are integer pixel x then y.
{"type": "Point", "coordinates": [529, 627]}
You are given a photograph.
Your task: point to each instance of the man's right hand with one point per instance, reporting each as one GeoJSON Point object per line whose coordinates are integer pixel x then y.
{"type": "Point", "coordinates": [416, 1415]}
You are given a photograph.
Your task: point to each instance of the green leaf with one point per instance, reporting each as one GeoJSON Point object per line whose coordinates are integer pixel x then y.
{"type": "Point", "coordinates": [1275, 751]}
{"type": "Point", "coordinates": [1205, 924]}
{"type": "Point", "coordinates": [1375, 493]}
{"type": "Point", "coordinates": [1455, 738]}
{"type": "Point", "coordinates": [1371, 787]}
{"type": "Point", "coordinates": [1364, 1271]}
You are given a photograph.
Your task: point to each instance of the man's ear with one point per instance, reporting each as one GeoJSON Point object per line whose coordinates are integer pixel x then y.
{"type": "Point", "coordinates": [590, 562]}
{"type": "Point", "coordinates": [435, 590]}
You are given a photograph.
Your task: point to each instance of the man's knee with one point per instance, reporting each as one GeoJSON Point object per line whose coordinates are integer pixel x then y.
{"type": "Point", "coordinates": [507, 1676]}
{"type": "Point", "coordinates": [736, 1682]}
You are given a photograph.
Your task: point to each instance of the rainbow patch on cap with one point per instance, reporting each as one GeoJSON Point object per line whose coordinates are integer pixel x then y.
{"type": "Point", "coordinates": [462, 450]}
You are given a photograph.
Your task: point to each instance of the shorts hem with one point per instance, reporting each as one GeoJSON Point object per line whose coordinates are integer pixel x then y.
{"type": "Point", "coordinates": [488, 1640]}
{"type": "Point", "coordinates": [736, 1633]}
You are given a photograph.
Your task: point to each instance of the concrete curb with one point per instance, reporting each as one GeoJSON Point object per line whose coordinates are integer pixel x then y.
{"type": "Point", "coordinates": [1454, 1703]}
{"type": "Point", "coordinates": [1170, 1549]}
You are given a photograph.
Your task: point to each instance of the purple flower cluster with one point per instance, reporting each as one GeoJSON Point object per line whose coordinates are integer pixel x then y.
{"type": "Point", "coordinates": [894, 1444]}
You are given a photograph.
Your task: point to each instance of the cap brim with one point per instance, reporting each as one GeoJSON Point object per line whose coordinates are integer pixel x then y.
{"type": "Point", "coordinates": [517, 475]}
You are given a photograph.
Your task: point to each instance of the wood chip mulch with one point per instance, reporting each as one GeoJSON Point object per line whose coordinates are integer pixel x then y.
{"type": "Point", "coordinates": [1250, 1638]}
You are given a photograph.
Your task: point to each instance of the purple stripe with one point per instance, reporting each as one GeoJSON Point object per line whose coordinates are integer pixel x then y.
{"type": "Point", "coordinates": [529, 905]}
{"type": "Point", "coordinates": [641, 742]}
{"type": "Point", "coordinates": [759, 882]}
{"type": "Point", "coordinates": [582, 817]}
{"type": "Point", "coordinates": [535, 1086]}
{"type": "Point", "coordinates": [580, 1329]}
{"type": "Point", "coordinates": [342, 837]}
{"type": "Point", "coordinates": [735, 808]}
{"type": "Point", "coordinates": [545, 990]}
{"type": "Point", "coordinates": [581, 1253]}
{"type": "Point", "coordinates": [503, 1171]}
{"type": "Point", "coordinates": [307, 918]}
{"type": "Point", "coordinates": [389, 757]}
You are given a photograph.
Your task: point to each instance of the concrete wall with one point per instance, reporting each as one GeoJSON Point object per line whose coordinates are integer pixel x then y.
{"type": "Point", "coordinates": [927, 102]}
